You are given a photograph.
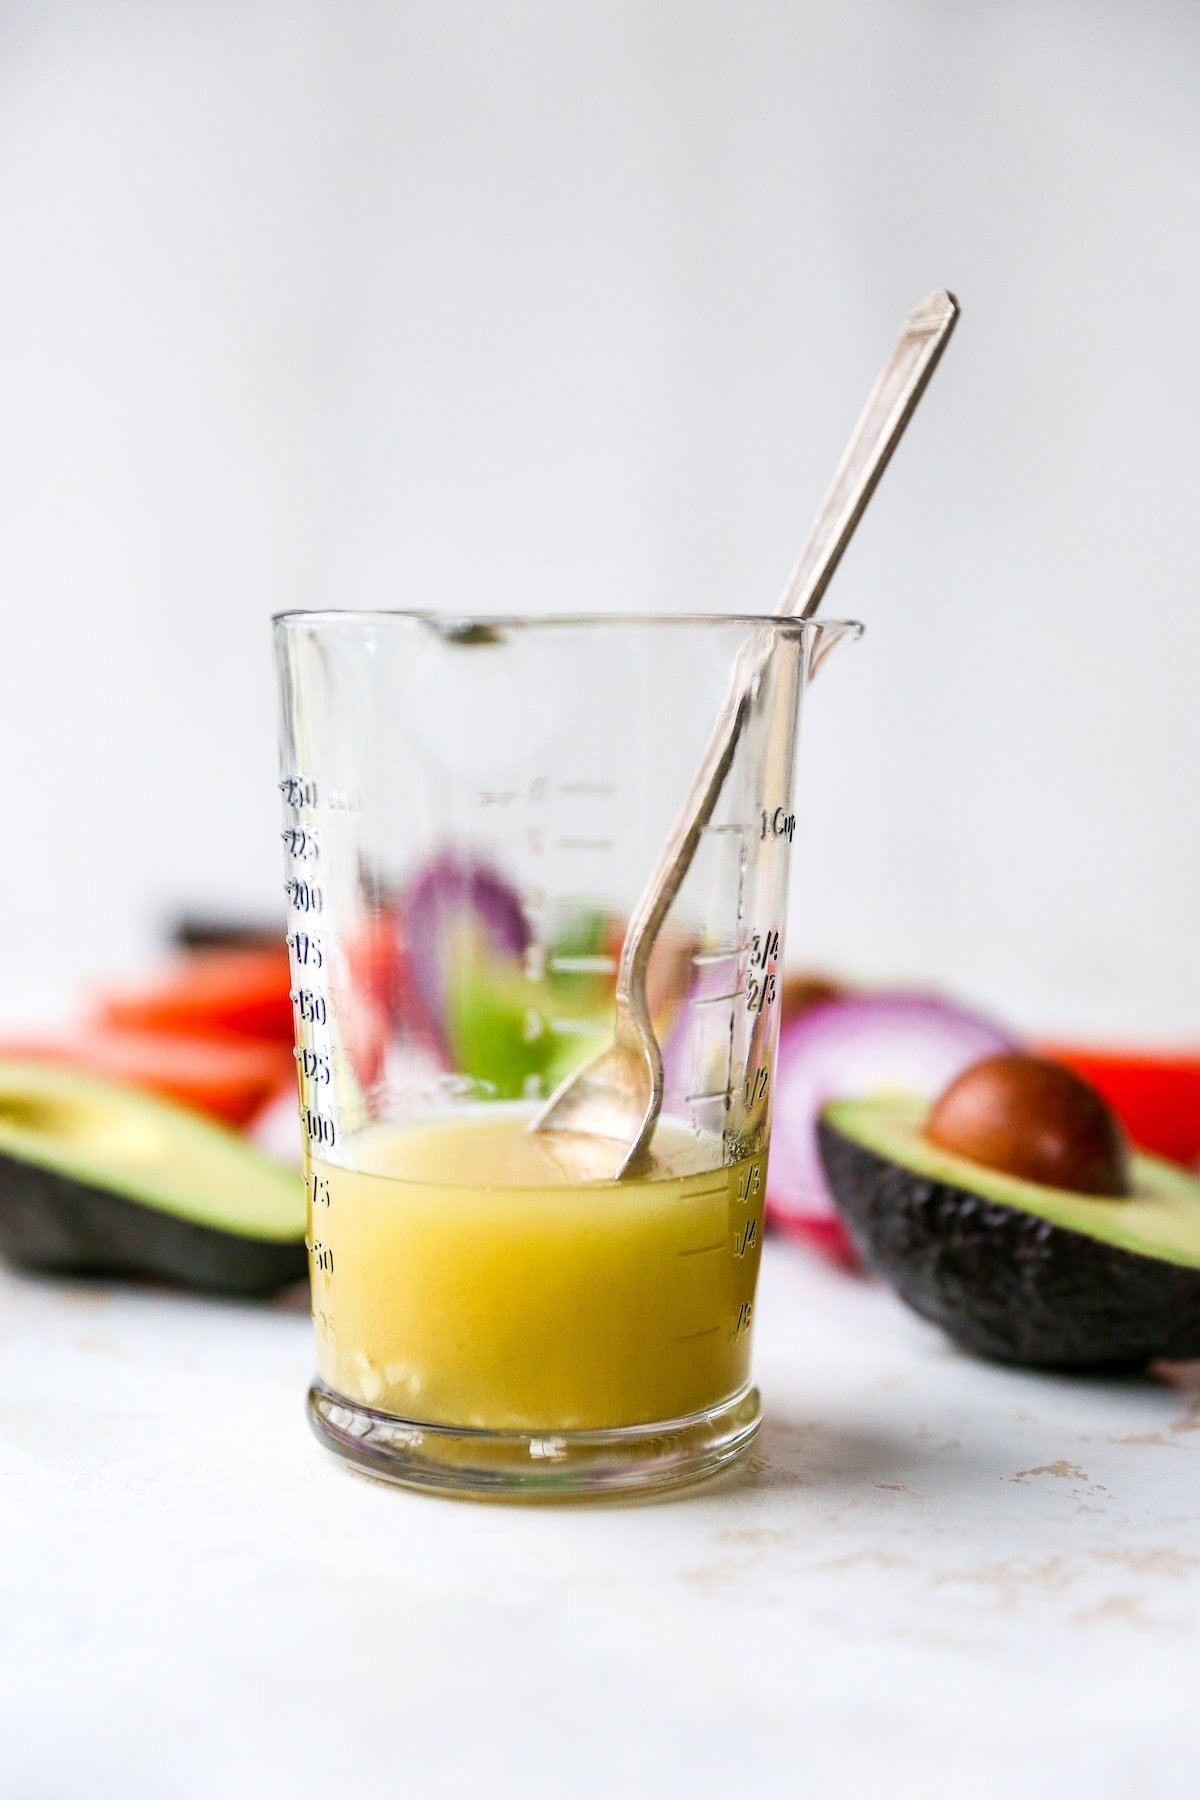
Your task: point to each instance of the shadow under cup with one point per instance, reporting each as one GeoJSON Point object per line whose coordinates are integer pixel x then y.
{"type": "Point", "coordinates": [471, 809]}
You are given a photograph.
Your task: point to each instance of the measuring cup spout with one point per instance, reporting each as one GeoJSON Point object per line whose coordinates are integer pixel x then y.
{"type": "Point", "coordinates": [827, 635]}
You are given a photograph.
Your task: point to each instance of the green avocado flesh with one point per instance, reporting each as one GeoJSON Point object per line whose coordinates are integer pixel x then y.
{"type": "Point", "coordinates": [96, 1177]}
{"type": "Point", "coordinates": [1012, 1269]}
{"type": "Point", "coordinates": [1160, 1218]}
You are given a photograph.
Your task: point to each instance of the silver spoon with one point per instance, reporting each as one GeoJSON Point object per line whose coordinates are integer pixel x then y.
{"type": "Point", "coordinates": [616, 1097]}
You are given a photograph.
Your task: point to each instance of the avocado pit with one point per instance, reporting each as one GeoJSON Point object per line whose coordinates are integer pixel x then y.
{"type": "Point", "coordinates": [1036, 1120]}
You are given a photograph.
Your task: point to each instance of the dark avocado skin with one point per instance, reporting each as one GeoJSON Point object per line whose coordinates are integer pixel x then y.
{"type": "Point", "coordinates": [56, 1224]}
{"type": "Point", "coordinates": [1003, 1283]}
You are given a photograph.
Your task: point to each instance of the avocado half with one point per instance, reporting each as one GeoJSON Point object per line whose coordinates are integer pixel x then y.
{"type": "Point", "coordinates": [1013, 1270]}
{"type": "Point", "coordinates": [101, 1179]}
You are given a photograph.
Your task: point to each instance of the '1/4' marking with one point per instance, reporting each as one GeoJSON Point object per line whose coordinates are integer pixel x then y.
{"type": "Point", "coordinates": [746, 1239]}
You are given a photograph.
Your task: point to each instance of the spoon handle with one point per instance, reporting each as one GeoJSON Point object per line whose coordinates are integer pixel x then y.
{"type": "Point", "coordinates": [890, 405]}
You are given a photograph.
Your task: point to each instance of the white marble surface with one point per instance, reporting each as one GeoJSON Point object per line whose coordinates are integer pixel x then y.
{"type": "Point", "coordinates": [934, 1578]}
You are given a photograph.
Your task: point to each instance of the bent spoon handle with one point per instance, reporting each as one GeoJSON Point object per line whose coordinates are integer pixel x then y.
{"type": "Point", "coordinates": [889, 407]}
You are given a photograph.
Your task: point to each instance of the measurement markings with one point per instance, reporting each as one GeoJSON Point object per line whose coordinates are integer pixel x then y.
{"type": "Point", "coordinates": [711, 1094]}
{"type": "Point", "coordinates": [581, 965]}
{"type": "Point", "coordinates": [717, 999]}
{"type": "Point", "coordinates": [702, 1249]}
{"type": "Point", "coordinates": [686, 1337]}
{"type": "Point", "coordinates": [739, 921]}
{"type": "Point", "coordinates": [704, 959]}
{"type": "Point", "coordinates": [729, 830]}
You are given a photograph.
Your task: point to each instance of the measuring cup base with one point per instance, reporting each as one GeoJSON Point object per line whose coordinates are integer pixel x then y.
{"type": "Point", "coordinates": [536, 1465]}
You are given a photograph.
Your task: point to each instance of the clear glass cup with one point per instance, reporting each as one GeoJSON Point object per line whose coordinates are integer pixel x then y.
{"type": "Point", "coordinates": [470, 810]}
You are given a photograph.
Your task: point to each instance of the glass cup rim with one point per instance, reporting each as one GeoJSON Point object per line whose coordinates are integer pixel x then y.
{"type": "Point", "coordinates": [458, 625]}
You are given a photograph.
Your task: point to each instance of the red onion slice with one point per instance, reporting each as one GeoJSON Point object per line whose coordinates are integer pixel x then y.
{"type": "Point", "coordinates": [912, 1043]}
{"type": "Point", "coordinates": [452, 892]}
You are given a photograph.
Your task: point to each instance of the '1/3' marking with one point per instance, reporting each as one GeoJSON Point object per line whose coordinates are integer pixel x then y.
{"type": "Point", "coordinates": [750, 1183]}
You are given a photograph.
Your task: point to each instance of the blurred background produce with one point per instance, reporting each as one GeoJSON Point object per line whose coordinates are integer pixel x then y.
{"type": "Point", "coordinates": [545, 306]}
{"type": "Point", "coordinates": [247, 367]}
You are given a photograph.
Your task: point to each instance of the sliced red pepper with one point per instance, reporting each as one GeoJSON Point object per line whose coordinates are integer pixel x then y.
{"type": "Point", "coordinates": [1155, 1094]}
{"type": "Point", "coordinates": [239, 991]}
{"type": "Point", "coordinates": [228, 1078]}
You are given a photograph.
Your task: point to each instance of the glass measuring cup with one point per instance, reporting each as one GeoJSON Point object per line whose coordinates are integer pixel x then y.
{"type": "Point", "coordinates": [470, 809]}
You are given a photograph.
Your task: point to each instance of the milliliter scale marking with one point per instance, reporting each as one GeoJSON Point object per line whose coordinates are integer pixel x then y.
{"type": "Point", "coordinates": [311, 1004]}
{"type": "Point", "coordinates": [755, 952]}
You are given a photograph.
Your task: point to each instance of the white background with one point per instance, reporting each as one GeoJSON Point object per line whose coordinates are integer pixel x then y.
{"type": "Point", "coordinates": [565, 305]}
